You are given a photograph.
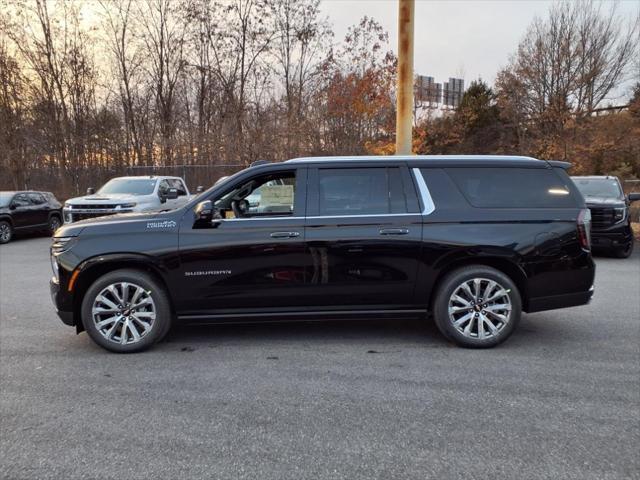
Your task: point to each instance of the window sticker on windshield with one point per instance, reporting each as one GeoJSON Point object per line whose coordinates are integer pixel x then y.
{"type": "Point", "coordinates": [276, 195]}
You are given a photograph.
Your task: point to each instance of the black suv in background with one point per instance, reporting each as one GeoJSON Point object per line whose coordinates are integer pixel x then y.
{"type": "Point", "coordinates": [474, 240]}
{"type": "Point", "coordinates": [610, 219]}
{"type": "Point", "coordinates": [28, 211]}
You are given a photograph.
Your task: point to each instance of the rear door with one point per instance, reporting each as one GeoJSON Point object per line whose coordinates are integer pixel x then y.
{"type": "Point", "coordinates": [178, 184]}
{"type": "Point", "coordinates": [363, 231]}
{"type": "Point", "coordinates": [40, 208]}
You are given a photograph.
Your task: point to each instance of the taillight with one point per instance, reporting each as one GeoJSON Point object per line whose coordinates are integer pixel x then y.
{"type": "Point", "coordinates": [584, 228]}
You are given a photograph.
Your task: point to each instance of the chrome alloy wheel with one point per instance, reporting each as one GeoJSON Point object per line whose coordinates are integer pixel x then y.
{"type": "Point", "coordinates": [480, 308]}
{"type": "Point", "coordinates": [5, 232]}
{"type": "Point", "coordinates": [124, 313]}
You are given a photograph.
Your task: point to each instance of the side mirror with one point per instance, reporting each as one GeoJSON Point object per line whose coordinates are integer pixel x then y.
{"type": "Point", "coordinates": [634, 197]}
{"type": "Point", "coordinates": [199, 189]}
{"type": "Point", "coordinates": [204, 211]}
{"type": "Point", "coordinates": [13, 206]}
{"type": "Point", "coordinates": [91, 191]}
{"type": "Point", "coordinates": [172, 194]}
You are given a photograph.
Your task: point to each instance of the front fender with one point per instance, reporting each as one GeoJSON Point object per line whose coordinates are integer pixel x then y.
{"type": "Point", "coordinates": [77, 282]}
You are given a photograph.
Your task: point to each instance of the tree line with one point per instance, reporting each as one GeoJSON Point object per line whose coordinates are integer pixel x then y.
{"type": "Point", "coordinates": [91, 88]}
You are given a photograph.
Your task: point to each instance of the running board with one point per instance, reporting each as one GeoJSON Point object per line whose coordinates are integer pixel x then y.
{"type": "Point", "coordinates": [302, 315]}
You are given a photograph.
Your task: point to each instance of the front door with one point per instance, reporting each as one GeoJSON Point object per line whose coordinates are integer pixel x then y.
{"type": "Point", "coordinates": [253, 256]}
{"type": "Point", "coordinates": [23, 211]}
{"type": "Point", "coordinates": [364, 234]}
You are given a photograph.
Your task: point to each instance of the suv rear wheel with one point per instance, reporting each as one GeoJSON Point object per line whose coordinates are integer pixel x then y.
{"type": "Point", "coordinates": [477, 306]}
{"type": "Point", "coordinates": [126, 311]}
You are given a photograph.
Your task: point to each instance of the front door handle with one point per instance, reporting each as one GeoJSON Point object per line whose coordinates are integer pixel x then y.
{"type": "Point", "coordinates": [285, 234]}
{"type": "Point", "coordinates": [394, 231]}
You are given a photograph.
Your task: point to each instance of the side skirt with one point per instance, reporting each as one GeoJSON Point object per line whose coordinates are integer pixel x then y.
{"type": "Point", "coordinates": [305, 316]}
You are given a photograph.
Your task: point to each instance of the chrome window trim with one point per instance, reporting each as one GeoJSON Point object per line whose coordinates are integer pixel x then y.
{"type": "Point", "coordinates": [427, 201]}
{"type": "Point", "coordinates": [324, 216]}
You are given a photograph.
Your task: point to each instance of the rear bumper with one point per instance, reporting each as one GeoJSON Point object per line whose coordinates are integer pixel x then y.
{"type": "Point", "coordinates": [58, 300]}
{"type": "Point", "coordinates": [540, 304]}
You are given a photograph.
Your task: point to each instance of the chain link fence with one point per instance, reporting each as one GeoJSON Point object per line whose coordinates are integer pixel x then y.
{"type": "Point", "coordinates": [74, 182]}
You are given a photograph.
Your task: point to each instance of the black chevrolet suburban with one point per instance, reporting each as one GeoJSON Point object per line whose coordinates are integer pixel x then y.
{"type": "Point", "coordinates": [610, 214]}
{"type": "Point", "coordinates": [472, 240]}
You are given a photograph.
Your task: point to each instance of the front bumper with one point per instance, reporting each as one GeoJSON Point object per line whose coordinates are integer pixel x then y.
{"type": "Point", "coordinates": [62, 309]}
{"type": "Point", "coordinates": [611, 238]}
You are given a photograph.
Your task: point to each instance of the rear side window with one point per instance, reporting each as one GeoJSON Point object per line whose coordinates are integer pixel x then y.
{"type": "Point", "coordinates": [178, 185]}
{"type": "Point", "coordinates": [37, 199]}
{"type": "Point", "coordinates": [512, 187]}
{"type": "Point", "coordinates": [361, 191]}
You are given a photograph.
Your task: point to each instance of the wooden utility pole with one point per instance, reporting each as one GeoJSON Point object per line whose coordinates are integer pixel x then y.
{"type": "Point", "coordinates": [404, 106]}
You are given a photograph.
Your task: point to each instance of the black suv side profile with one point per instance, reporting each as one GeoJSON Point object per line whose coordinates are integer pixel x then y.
{"type": "Point", "coordinates": [28, 211]}
{"type": "Point", "coordinates": [610, 213]}
{"type": "Point", "coordinates": [473, 240]}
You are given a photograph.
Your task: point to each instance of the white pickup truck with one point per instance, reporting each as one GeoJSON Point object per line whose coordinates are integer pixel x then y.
{"type": "Point", "coordinates": [128, 194]}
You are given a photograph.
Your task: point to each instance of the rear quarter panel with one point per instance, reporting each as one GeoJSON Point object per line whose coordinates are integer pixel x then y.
{"type": "Point", "coordinates": [539, 245]}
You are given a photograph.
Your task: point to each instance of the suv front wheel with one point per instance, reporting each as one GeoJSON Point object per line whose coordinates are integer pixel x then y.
{"type": "Point", "coordinates": [477, 306]}
{"type": "Point", "coordinates": [54, 223]}
{"type": "Point", "coordinates": [126, 311]}
{"type": "Point", "coordinates": [6, 232]}
{"type": "Point", "coordinates": [624, 252]}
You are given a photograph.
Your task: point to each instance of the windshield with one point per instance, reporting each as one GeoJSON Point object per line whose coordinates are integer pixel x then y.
{"type": "Point", "coordinates": [5, 198]}
{"type": "Point", "coordinates": [598, 187]}
{"type": "Point", "coordinates": [131, 186]}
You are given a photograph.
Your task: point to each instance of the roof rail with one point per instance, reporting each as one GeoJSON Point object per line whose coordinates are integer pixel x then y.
{"type": "Point", "coordinates": [560, 164]}
{"type": "Point", "coordinates": [259, 162]}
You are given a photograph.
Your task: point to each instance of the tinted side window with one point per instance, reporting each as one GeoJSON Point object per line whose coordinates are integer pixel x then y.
{"type": "Point", "coordinates": [178, 185]}
{"type": "Point", "coordinates": [360, 191]}
{"type": "Point", "coordinates": [163, 188]}
{"type": "Point", "coordinates": [36, 198]}
{"type": "Point", "coordinates": [21, 200]}
{"type": "Point", "coordinates": [512, 187]}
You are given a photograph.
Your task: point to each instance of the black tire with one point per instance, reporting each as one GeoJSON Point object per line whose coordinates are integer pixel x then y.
{"type": "Point", "coordinates": [624, 252]}
{"type": "Point", "coordinates": [54, 223]}
{"type": "Point", "coordinates": [6, 232]}
{"type": "Point", "coordinates": [451, 283]}
{"type": "Point", "coordinates": [152, 288]}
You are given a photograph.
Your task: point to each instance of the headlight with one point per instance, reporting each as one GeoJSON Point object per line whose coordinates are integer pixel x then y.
{"type": "Point", "coordinates": [619, 214]}
{"type": "Point", "coordinates": [61, 244]}
{"type": "Point", "coordinates": [54, 267]}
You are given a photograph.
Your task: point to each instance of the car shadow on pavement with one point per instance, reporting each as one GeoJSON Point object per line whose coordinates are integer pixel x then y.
{"type": "Point", "coordinates": [542, 328]}
{"type": "Point", "coordinates": [403, 330]}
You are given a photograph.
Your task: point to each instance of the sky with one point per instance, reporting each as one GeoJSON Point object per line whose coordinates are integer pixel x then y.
{"type": "Point", "coordinates": [455, 38]}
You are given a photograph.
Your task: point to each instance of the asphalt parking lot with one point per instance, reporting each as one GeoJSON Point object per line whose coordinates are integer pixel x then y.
{"type": "Point", "coordinates": [560, 399]}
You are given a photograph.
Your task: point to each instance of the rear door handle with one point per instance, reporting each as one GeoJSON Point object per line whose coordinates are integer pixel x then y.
{"type": "Point", "coordinates": [394, 231]}
{"type": "Point", "coordinates": [285, 234]}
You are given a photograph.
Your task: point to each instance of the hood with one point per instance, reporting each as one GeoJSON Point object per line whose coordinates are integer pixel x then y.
{"type": "Point", "coordinates": [136, 221]}
{"type": "Point", "coordinates": [603, 201]}
{"type": "Point", "coordinates": [98, 199]}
